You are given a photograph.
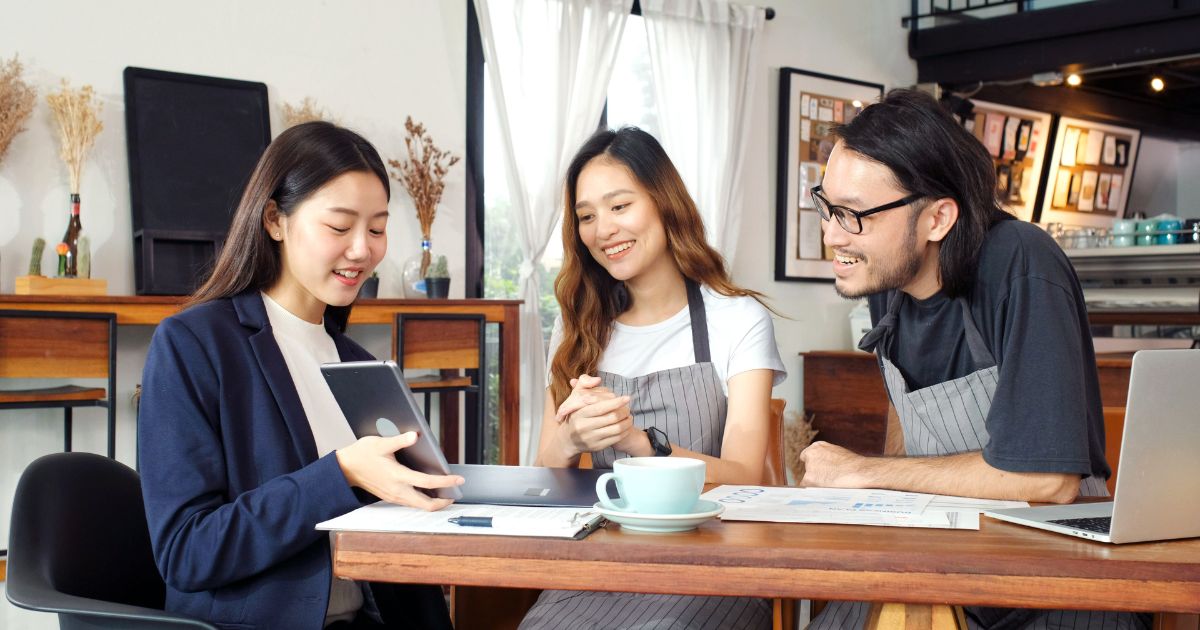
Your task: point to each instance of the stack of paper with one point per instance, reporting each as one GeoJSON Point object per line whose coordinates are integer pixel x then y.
{"type": "Point", "coordinates": [506, 520]}
{"type": "Point", "coordinates": [885, 508]}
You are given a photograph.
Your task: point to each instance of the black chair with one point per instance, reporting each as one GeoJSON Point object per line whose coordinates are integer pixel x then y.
{"type": "Point", "coordinates": [79, 546]}
{"type": "Point", "coordinates": [58, 345]}
{"type": "Point", "coordinates": [452, 344]}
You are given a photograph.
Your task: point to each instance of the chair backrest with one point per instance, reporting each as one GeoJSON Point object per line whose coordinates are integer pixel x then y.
{"type": "Point", "coordinates": [774, 472]}
{"type": "Point", "coordinates": [49, 344]}
{"type": "Point", "coordinates": [439, 342]}
{"type": "Point", "coordinates": [79, 529]}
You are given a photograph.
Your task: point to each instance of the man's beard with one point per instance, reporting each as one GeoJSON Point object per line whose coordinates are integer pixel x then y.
{"type": "Point", "coordinates": [894, 276]}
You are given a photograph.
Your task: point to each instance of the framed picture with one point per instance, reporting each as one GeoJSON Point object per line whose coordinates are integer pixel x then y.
{"type": "Point", "coordinates": [1096, 163]}
{"type": "Point", "coordinates": [1016, 139]}
{"type": "Point", "coordinates": [810, 106]}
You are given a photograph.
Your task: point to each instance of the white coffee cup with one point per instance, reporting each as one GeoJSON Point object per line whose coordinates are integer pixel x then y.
{"type": "Point", "coordinates": [653, 485]}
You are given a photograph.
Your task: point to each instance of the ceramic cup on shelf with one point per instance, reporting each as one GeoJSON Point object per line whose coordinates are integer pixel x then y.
{"type": "Point", "coordinates": [1145, 231]}
{"type": "Point", "coordinates": [1123, 232]}
{"type": "Point", "coordinates": [653, 485]}
{"type": "Point", "coordinates": [1167, 231]}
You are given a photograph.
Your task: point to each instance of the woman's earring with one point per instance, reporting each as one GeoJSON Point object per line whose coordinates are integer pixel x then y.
{"type": "Point", "coordinates": [277, 235]}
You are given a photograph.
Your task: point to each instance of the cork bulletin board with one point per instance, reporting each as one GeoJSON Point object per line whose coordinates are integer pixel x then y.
{"type": "Point", "coordinates": [1016, 139]}
{"type": "Point", "coordinates": [1091, 170]}
{"type": "Point", "coordinates": [810, 106]}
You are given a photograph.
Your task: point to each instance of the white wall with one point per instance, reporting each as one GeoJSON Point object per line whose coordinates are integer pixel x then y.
{"type": "Point", "coordinates": [369, 62]}
{"type": "Point", "coordinates": [1156, 179]}
{"type": "Point", "coordinates": [1189, 181]}
{"type": "Point", "coordinates": [858, 40]}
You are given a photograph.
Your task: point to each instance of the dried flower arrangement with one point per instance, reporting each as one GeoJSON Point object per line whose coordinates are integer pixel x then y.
{"type": "Point", "coordinates": [16, 102]}
{"type": "Point", "coordinates": [422, 175]}
{"type": "Point", "coordinates": [306, 111]}
{"type": "Point", "coordinates": [798, 433]}
{"type": "Point", "coordinates": [78, 118]}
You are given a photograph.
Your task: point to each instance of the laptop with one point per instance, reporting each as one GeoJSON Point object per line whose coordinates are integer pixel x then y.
{"type": "Point", "coordinates": [377, 401]}
{"type": "Point", "coordinates": [1158, 481]}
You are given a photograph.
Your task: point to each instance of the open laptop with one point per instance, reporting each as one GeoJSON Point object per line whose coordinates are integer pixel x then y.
{"type": "Point", "coordinates": [377, 401]}
{"type": "Point", "coordinates": [1158, 483]}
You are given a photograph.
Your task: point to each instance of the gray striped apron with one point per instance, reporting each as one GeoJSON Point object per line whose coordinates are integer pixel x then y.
{"type": "Point", "coordinates": [950, 418]}
{"type": "Point", "coordinates": [688, 404]}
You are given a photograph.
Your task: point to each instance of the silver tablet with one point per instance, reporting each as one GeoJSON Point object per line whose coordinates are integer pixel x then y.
{"type": "Point", "coordinates": [377, 401]}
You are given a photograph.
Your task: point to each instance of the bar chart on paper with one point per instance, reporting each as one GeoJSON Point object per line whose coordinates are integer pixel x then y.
{"type": "Point", "coordinates": [886, 508]}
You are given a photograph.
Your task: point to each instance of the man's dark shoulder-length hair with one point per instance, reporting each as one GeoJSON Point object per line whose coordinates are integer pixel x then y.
{"type": "Point", "coordinates": [931, 155]}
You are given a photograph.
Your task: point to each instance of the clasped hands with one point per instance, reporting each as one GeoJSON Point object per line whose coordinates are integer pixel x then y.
{"type": "Point", "coordinates": [593, 418]}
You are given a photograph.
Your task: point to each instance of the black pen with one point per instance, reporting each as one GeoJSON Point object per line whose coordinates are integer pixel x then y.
{"type": "Point", "coordinates": [471, 521]}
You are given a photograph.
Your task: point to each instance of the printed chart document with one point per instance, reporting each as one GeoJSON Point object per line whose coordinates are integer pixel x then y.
{"type": "Point", "coordinates": [885, 508]}
{"type": "Point", "coordinates": [505, 520]}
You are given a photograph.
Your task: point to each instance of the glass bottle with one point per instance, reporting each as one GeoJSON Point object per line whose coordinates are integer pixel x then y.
{"type": "Point", "coordinates": [414, 271]}
{"type": "Point", "coordinates": [71, 238]}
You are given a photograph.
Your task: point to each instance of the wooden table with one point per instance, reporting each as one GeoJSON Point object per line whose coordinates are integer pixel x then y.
{"type": "Point", "coordinates": [1000, 565]}
{"type": "Point", "coordinates": [150, 310]}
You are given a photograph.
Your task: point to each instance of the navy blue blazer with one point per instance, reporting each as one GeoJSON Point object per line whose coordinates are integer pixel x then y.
{"type": "Point", "coordinates": [231, 479]}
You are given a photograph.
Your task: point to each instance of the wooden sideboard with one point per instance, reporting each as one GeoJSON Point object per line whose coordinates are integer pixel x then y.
{"type": "Point", "coordinates": [847, 403]}
{"type": "Point", "coordinates": [150, 310]}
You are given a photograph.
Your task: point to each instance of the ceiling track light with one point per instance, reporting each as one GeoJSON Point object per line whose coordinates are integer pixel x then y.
{"type": "Point", "coordinates": [1074, 80]}
{"type": "Point", "coordinates": [1157, 84]}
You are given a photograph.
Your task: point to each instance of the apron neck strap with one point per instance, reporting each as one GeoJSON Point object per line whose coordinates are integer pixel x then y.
{"type": "Point", "coordinates": [874, 340]}
{"type": "Point", "coordinates": [699, 322]}
{"type": "Point", "coordinates": [981, 357]}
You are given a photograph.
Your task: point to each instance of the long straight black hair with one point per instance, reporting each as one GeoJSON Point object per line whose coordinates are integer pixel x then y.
{"type": "Point", "coordinates": [295, 165]}
{"type": "Point", "coordinates": [931, 155]}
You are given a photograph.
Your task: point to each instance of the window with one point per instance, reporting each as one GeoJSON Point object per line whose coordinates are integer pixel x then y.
{"type": "Point", "coordinates": [630, 102]}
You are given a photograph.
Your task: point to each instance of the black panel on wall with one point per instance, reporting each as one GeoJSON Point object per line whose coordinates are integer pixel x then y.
{"type": "Point", "coordinates": [192, 143]}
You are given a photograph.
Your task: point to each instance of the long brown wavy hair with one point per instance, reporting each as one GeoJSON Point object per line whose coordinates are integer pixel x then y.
{"type": "Point", "coordinates": [588, 297]}
{"type": "Point", "coordinates": [295, 165]}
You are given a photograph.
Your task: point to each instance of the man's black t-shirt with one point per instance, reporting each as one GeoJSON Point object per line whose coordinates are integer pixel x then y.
{"type": "Point", "coordinates": [1046, 414]}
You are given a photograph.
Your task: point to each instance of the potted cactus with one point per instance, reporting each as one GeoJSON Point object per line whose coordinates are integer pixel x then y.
{"type": "Point", "coordinates": [370, 286]}
{"type": "Point", "coordinates": [437, 279]}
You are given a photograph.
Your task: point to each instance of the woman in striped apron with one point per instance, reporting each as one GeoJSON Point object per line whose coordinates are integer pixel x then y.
{"type": "Point", "coordinates": [684, 360]}
{"type": "Point", "coordinates": [948, 418]}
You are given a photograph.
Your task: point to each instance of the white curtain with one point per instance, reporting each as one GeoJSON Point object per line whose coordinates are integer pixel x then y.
{"type": "Point", "coordinates": [549, 63]}
{"type": "Point", "coordinates": [703, 54]}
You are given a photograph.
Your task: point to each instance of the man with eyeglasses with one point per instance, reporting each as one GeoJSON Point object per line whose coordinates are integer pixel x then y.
{"type": "Point", "coordinates": [980, 331]}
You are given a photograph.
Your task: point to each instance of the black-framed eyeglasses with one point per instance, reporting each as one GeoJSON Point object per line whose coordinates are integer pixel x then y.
{"type": "Point", "coordinates": [851, 220]}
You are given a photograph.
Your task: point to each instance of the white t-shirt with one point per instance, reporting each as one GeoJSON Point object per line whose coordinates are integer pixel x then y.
{"type": "Point", "coordinates": [741, 337]}
{"type": "Point", "coordinates": [305, 346]}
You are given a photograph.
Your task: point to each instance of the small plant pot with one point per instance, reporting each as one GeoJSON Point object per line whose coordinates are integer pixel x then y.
{"type": "Point", "coordinates": [437, 288]}
{"type": "Point", "coordinates": [370, 288]}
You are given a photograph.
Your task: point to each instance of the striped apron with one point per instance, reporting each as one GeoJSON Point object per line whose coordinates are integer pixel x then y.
{"type": "Point", "coordinates": [688, 404]}
{"type": "Point", "coordinates": [950, 418]}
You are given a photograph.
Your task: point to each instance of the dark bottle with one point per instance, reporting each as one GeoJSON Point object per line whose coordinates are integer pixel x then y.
{"type": "Point", "coordinates": [71, 238]}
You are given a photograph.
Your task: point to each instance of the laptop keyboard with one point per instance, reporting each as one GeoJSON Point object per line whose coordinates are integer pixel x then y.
{"type": "Point", "coordinates": [1098, 524]}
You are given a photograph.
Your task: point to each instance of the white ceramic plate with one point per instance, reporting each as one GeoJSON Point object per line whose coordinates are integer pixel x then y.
{"type": "Point", "coordinates": [663, 523]}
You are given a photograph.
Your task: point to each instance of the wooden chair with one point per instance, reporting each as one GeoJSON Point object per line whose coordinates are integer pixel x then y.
{"type": "Point", "coordinates": [453, 345]}
{"type": "Point", "coordinates": [479, 607]}
{"type": "Point", "coordinates": [60, 345]}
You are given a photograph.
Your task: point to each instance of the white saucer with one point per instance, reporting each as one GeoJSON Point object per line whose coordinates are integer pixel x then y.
{"type": "Point", "coordinates": [662, 523]}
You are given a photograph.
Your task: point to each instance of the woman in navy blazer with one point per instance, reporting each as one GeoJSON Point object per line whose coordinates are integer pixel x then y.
{"type": "Point", "coordinates": [234, 416]}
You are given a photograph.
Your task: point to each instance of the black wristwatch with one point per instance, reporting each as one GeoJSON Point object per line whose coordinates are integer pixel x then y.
{"type": "Point", "coordinates": [658, 442]}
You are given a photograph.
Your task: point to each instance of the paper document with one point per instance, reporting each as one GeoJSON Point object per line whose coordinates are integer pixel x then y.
{"type": "Point", "coordinates": [506, 520]}
{"type": "Point", "coordinates": [885, 508]}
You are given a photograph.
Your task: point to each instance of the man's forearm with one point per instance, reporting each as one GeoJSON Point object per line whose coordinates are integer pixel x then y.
{"type": "Point", "coordinates": [966, 475]}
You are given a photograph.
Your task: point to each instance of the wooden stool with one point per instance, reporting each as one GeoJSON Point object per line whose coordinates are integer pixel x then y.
{"type": "Point", "coordinates": [915, 617]}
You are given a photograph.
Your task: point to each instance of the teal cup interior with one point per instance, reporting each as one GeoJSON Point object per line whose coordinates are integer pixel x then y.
{"type": "Point", "coordinates": [653, 485]}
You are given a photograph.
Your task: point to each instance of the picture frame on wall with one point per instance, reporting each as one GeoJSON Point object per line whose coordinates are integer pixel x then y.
{"type": "Point", "coordinates": [1017, 140]}
{"type": "Point", "coordinates": [1102, 162]}
{"type": "Point", "coordinates": [811, 104]}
